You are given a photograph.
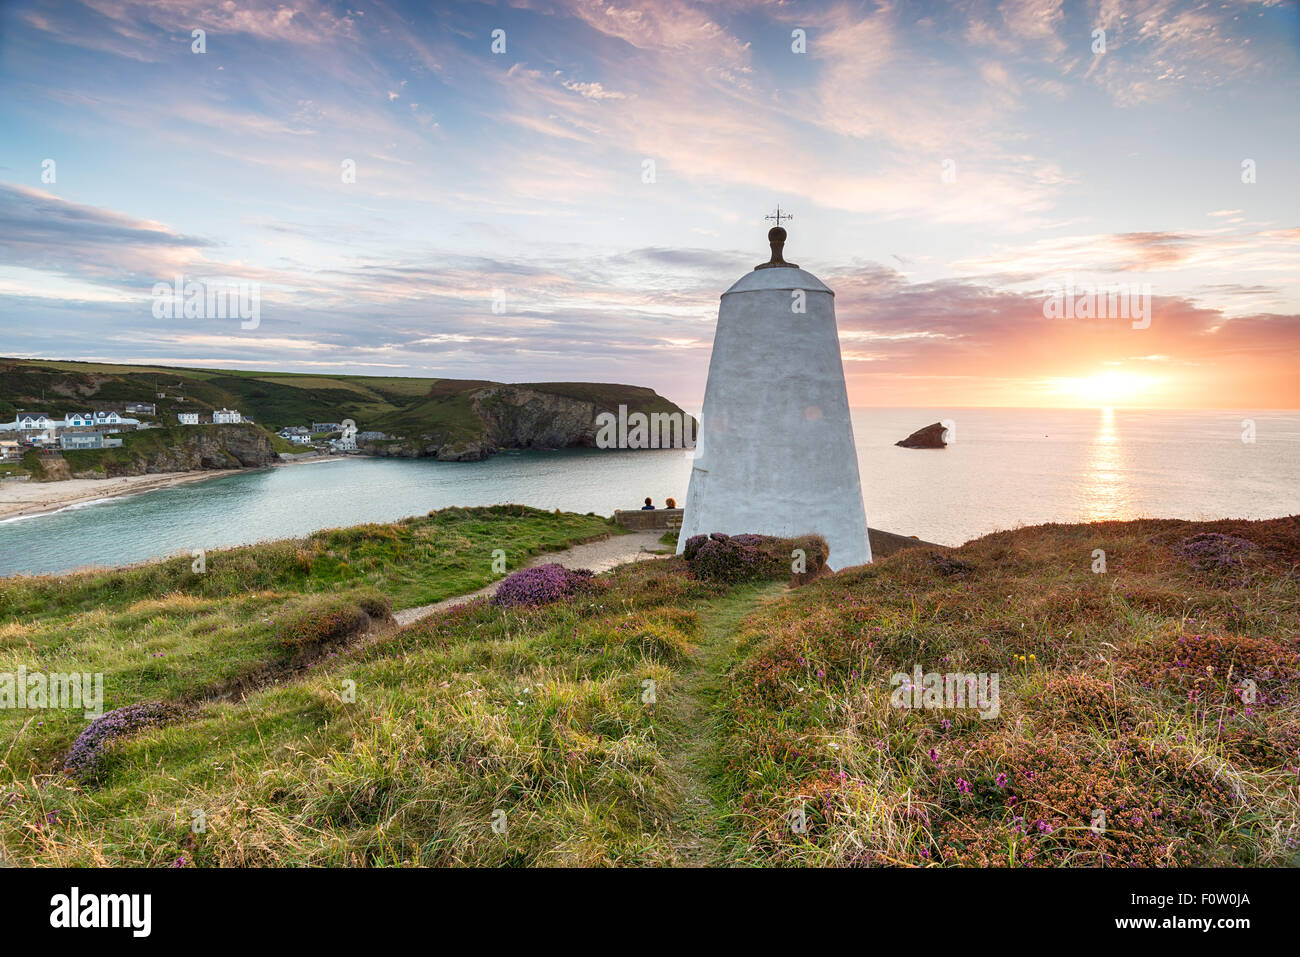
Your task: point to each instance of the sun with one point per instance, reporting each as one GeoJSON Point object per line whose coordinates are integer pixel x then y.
{"type": "Point", "coordinates": [1112, 387]}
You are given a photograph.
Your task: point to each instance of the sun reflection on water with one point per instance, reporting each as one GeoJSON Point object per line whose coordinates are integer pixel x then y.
{"type": "Point", "coordinates": [1105, 497]}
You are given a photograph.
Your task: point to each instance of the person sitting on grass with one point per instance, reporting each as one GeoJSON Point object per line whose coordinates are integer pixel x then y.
{"type": "Point", "coordinates": [649, 506]}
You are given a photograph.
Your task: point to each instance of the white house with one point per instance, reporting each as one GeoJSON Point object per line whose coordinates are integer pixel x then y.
{"type": "Point", "coordinates": [33, 422]}
{"type": "Point", "coordinates": [295, 434]}
{"type": "Point", "coordinates": [146, 408]}
{"type": "Point", "coordinates": [77, 420]}
{"type": "Point", "coordinates": [188, 418]}
{"type": "Point", "coordinates": [10, 449]}
{"type": "Point", "coordinates": [226, 417]}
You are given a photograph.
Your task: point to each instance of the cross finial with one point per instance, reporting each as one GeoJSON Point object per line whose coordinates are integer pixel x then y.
{"type": "Point", "coordinates": [776, 239]}
{"type": "Point", "coordinates": [778, 215]}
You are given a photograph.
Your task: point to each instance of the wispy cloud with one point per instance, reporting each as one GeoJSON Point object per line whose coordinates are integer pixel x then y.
{"type": "Point", "coordinates": [385, 176]}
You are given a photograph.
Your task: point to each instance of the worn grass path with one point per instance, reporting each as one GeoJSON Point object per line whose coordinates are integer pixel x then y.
{"type": "Point", "coordinates": [704, 833]}
{"type": "Point", "coordinates": [597, 556]}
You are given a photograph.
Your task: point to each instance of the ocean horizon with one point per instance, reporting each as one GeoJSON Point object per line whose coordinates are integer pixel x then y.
{"type": "Point", "coordinates": [1004, 468]}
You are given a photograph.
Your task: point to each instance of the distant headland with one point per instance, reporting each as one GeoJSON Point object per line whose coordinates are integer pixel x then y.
{"type": "Point", "coordinates": [72, 419]}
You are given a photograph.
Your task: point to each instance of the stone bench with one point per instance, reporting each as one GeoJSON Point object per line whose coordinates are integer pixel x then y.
{"type": "Point", "coordinates": [640, 519]}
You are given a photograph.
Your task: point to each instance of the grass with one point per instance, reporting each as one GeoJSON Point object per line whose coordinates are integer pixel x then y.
{"type": "Point", "coordinates": [524, 737]}
{"type": "Point", "coordinates": [1121, 693]}
{"type": "Point", "coordinates": [705, 828]}
{"type": "Point", "coordinates": [538, 714]}
{"type": "Point", "coordinates": [406, 406]}
{"type": "Point", "coordinates": [161, 631]}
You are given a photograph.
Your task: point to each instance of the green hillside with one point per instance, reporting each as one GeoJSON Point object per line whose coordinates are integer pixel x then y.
{"type": "Point", "coordinates": [396, 405]}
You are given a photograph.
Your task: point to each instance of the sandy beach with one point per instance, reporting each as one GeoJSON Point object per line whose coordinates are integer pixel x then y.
{"type": "Point", "coordinates": [19, 499]}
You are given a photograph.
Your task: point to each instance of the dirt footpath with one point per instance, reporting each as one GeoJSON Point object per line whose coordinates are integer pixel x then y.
{"type": "Point", "coordinates": [597, 556]}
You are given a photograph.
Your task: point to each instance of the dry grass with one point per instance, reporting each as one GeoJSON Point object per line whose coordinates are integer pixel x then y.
{"type": "Point", "coordinates": [1161, 693]}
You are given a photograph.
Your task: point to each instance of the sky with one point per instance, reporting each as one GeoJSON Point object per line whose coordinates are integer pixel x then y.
{"type": "Point", "coordinates": [559, 190]}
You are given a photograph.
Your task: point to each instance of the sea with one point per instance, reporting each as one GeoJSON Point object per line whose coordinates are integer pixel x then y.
{"type": "Point", "coordinates": [1004, 468]}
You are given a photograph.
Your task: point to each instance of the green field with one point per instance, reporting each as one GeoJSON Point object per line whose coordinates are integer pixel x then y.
{"type": "Point", "coordinates": [491, 736]}
{"type": "Point", "coordinates": [389, 404]}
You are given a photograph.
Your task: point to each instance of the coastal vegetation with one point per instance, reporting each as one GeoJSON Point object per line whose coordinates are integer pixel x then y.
{"type": "Point", "coordinates": [187, 627]}
{"type": "Point", "coordinates": [678, 711]}
{"type": "Point", "coordinates": [452, 419]}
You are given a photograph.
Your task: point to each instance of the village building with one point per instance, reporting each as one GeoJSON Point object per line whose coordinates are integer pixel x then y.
{"type": "Point", "coordinates": [187, 418]}
{"type": "Point", "coordinates": [226, 417]}
{"type": "Point", "coordinates": [141, 408]}
{"type": "Point", "coordinates": [95, 420]}
{"type": "Point", "coordinates": [87, 440]}
{"type": "Point", "coordinates": [32, 422]}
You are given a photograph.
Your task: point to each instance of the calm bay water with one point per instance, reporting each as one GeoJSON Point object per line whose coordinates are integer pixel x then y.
{"type": "Point", "coordinates": [1007, 467]}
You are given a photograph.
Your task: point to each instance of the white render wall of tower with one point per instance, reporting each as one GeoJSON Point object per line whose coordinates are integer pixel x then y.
{"type": "Point", "coordinates": [775, 454]}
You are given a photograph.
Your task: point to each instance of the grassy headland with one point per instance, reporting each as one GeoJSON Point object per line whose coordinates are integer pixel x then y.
{"type": "Point", "coordinates": [452, 418]}
{"type": "Point", "coordinates": [163, 631]}
{"type": "Point", "coordinates": [658, 718]}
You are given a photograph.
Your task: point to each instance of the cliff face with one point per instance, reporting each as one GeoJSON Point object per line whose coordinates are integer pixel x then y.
{"type": "Point", "coordinates": [222, 447]}
{"type": "Point", "coordinates": [520, 417]}
{"type": "Point", "coordinates": [187, 449]}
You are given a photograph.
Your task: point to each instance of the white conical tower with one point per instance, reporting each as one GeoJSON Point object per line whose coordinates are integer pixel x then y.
{"type": "Point", "coordinates": [775, 454]}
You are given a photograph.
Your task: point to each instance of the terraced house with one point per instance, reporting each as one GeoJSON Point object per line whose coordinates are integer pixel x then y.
{"type": "Point", "coordinates": [92, 420]}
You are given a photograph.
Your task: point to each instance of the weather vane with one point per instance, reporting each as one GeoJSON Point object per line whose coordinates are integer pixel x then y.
{"type": "Point", "coordinates": [778, 216]}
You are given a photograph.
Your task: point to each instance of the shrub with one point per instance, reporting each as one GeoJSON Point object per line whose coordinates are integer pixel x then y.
{"type": "Point", "coordinates": [729, 559]}
{"type": "Point", "coordinates": [540, 585]}
{"type": "Point", "coordinates": [86, 758]}
{"type": "Point", "coordinates": [1210, 666]}
{"type": "Point", "coordinates": [1214, 552]}
{"type": "Point", "coordinates": [949, 566]}
{"type": "Point", "coordinates": [323, 620]}
{"type": "Point", "coordinates": [375, 604]}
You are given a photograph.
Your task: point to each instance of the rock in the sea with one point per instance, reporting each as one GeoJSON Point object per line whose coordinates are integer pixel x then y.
{"type": "Point", "coordinates": [469, 452]}
{"type": "Point", "coordinates": [930, 437]}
